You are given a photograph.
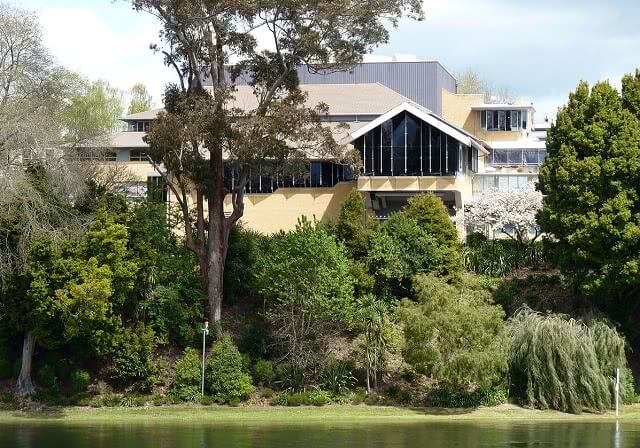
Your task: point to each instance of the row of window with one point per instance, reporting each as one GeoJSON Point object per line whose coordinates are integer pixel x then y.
{"type": "Point", "coordinates": [134, 155]}
{"type": "Point", "coordinates": [317, 174]}
{"type": "Point", "coordinates": [407, 146]}
{"type": "Point", "coordinates": [155, 189]}
{"type": "Point", "coordinates": [503, 120]}
{"type": "Point", "coordinates": [502, 182]}
{"type": "Point", "coordinates": [519, 157]}
{"type": "Point", "coordinates": [139, 126]}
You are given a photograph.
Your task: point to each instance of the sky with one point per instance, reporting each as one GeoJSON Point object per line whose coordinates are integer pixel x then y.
{"type": "Point", "coordinates": [537, 49]}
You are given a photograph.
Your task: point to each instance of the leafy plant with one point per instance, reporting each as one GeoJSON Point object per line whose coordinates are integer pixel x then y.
{"type": "Point", "coordinates": [225, 379]}
{"type": "Point", "coordinates": [187, 383]}
{"type": "Point", "coordinates": [563, 363]}
{"type": "Point", "coordinates": [263, 372]}
{"type": "Point", "coordinates": [451, 398]}
{"type": "Point", "coordinates": [336, 375]}
{"type": "Point", "coordinates": [303, 398]}
{"type": "Point", "coordinates": [290, 377]}
{"type": "Point", "coordinates": [79, 381]}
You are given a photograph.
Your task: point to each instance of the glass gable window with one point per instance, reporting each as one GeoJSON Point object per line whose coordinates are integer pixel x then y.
{"type": "Point", "coordinates": [411, 147]}
{"type": "Point", "coordinates": [517, 157]}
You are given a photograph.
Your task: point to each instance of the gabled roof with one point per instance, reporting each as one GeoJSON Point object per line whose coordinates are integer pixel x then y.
{"type": "Point", "coordinates": [428, 117]}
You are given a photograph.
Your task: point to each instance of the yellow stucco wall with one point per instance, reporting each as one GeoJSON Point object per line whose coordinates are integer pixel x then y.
{"type": "Point", "coordinates": [457, 109]}
{"type": "Point", "coordinates": [280, 210]}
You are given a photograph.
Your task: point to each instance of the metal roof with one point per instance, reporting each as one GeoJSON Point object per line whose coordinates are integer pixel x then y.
{"type": "Point", "coordinates": [128, 140]}
{"type": "Point", "coordinates": [488, 106]}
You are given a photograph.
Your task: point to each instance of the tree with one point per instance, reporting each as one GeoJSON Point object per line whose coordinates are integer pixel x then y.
{"type": "Point", "coordinates": [304, 277]}
{"type": "Point", "coordinates": [201, 126]}
{"type": "Point", "coordinates": [430, 213]}
{"type": "Point", "coordinates": [513, 213]}
{"type": "Point", "coordinates": [354, 225]}
{"type": "Point", "coordinates": [591, 199]}
{"type": "Point", "coordinates": [471, 82]}
{"type": "Point", "coordinates": [141, 99]}
{"type": "Point", "coordinates": [455, 335]}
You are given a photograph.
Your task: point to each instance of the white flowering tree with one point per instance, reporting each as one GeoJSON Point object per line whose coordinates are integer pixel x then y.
{"type": "Point", "coordinates": [513, 213]}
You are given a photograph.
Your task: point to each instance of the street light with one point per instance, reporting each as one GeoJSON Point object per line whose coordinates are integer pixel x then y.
{"type": "Point", "coordinates": [205, 333]}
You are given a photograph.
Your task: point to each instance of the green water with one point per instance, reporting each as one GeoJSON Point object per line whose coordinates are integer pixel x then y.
{"type": "Point", "coordinates": [314, 435]}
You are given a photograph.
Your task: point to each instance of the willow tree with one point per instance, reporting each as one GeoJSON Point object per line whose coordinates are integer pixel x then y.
{"type": "Point", "coordinates": [202, 129]}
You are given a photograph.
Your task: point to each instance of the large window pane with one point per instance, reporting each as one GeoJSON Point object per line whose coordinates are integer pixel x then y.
{"type": "Point", "coordinates": [531, 156]}
{"type": "Point", "coordinates": [413, 145]}
{"type": "Point", "coordinates": [399, 144]}
{"type": "Point", "coordinates": [377, 149]}
{"type": "Point", "coordinates": [316, 174]}
{"type": "Point", "coordinates": [452, 152]}
{"type": "Point", "coordinates": [515, 157]}
{"type": "Point", "coordinates": [426, 142]}
{"type": "Point", "coordinates": [387, 129]}
{"type": "Point", "coordinates": [499, 157]}
{"type": "Point", "coordinates": [327, 179]}
{"type": "Point", "coordinates": [435, 151]}
{"type": "Point", "coordinates": [368, 143]}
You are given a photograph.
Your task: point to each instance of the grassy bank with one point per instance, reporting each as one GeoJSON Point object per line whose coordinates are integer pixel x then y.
{"type": "Point", "coordinates": [328, 414]}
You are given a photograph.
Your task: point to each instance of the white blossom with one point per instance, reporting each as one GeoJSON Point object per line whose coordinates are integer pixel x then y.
{"type": "Point", "coordinates": [510, 212]}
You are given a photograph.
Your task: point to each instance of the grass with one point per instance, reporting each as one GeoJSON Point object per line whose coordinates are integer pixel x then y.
{"type": "Point", "coordinates": [302, 415]}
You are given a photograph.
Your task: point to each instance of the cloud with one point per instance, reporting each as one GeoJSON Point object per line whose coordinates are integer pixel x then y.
{"type": "Point", "coordinates": [89, 43]}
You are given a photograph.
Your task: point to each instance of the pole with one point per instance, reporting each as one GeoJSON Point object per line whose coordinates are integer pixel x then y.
{"type": "Point", "coordinates": [205, 332]}
{"type": "Point", "coordinates": [617, 390]}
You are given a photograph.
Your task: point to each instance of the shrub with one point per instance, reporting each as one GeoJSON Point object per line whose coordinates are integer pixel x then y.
{"type": "Point", "coordinates": [303, 398]}
{"type": "Point", "coordinates": [354, 224]}
{"type": "Point", "coordinates": [47, 376]}
{"type": "Point", "coordinates": [133, 359]}
{"type": "Point", "coordinates": [187, 383]}
{"type": "Point", "coordinates": [225, 378]}
{"type": "Point", "coordinates": [245, 248]}
{"type": "Point", "coordinates": [562, 363]}
{"type": "Point", "coordinates": [336, 375]}
{"type": "Point", "coordinates": [290, 377]}
{"type": "Point", "coordinates": [305, 278]}
{"type": "Point", "coordinates": [263, 372]}
{"type": "Point", "coordinates": [455, 335]}
{"type": "Point", "coordinates": [487, 396]}
{"type": "Point", "coordinates": [79, 381]}
{"type": "Point", "coordinates": [544, 293]}
{"type": "Point", "coordinates": [501, 257]}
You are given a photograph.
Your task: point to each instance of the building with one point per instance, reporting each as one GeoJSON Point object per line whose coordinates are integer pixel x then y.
{"type": "Point", "coordinates": [413, 134]}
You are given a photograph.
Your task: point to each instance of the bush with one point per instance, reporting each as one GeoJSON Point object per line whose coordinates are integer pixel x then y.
{"type": "Point", "coordinates": [501, 257]}
{"type": "Point", "coordinates": [187, 383]}
{"type": "Point", "coordinates": [562, 363]}
{"type": "Point", "coordinates": [454, 335]}
{"type": "Point", "coordinates": [544, 293]}
{"type": "Point", "coordinates": [354, 224]}
{"type": "Point", "coordinates": [79, 381]}
{"type": "Point", "coordinates": [225, 379]}
{"type": "Point", "coordinates": [336, 375]}
{"type": "Point", "coordinates": [245, 248]}
{"type": "Point", "coordinates": [263, 372]}
{"type": "Point", "coordinates": [303, 398]}
{"type": "Point", "coordinates": [133, 359]}
{"type": "Point", "coordinates": [47, 377]}
{"type": "Point", "coordinates": [305, 278]}
{"type": "Point", "coordinates": [448, 398]}
{"type": "Point", "coordinates": [290, 377]}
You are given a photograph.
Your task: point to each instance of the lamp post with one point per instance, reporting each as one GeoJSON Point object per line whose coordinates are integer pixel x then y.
{"type": "Point", "coordinates": [205, 333]}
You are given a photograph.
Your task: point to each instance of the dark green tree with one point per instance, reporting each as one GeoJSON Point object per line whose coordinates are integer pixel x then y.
{"type": "Point", "coordinates": [591, 207]}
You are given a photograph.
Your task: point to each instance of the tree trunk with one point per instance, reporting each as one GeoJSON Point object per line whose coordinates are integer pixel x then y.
{"type": "Point", "coordinates": [24, 387]}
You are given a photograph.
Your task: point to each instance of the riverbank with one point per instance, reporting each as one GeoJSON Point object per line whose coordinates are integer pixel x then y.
{"type": "Point", "coordinates": [275, 415]}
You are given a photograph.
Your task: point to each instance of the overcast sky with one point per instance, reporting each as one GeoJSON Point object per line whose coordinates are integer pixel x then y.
{"type": "Point", "coordinates": [538, 49]}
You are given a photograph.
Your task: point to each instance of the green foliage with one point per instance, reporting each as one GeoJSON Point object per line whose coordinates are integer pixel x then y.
{"type": "Point", "coordinates": [263, 372]}
{"type": "Point", "coordinates": [245, 248]}
{"type": "Point", "coordinates": [501, 257]}
{"type": "Point", "coordinates": [290, 377]}
{"type": "Point", "coordinates": [562, 363]}
{"type": "Point", "coordinates": [187, 383]}
{"type": "Point", "coordinates": [5, 361]}
{"type": "Point", "coordinates": [225, 379]}
{"type": "Point", "coordinates": [354, 224]}
{"type": "Point", "coordinates": [140, 99]}
{"type": "Point", "coordinates": [483, 396]}
{"type": "Point", "coordinates": [133, 357]}
{"type": "Point", "coordinates": [377, 337]}
{"type": "Point", "coordinates": [628, 391]}
{"type": "Point", "coordinates": [538, 292]}
{"type": "Point", "coordinates": [47, 376]}
{"type": "Point", "coordinates": [590, 182]}
{"type": "Point", "coordinates": [336, 375]}
{"type": "Point", "coordinates": [454, 334]}
{"type": "Point", "coordinates": [79, 381]}
{"type": "Point", "coordinates": [303, 398]}
{"type": "Point", "coordinates": [305, 278]}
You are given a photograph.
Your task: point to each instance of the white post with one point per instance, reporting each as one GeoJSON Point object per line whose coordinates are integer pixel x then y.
{"type": "Point", "coordinates": [617, 390]}
{"type": "Point", "coordinates": [205, 332]}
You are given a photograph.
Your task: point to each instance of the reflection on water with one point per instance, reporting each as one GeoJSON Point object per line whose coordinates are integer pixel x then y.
{"type": "Point", "coordinates": [313, 435]}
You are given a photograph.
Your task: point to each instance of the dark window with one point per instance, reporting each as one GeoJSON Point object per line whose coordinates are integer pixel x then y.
{"type": "Point", "coordinates": [376, 136]}
{"type": "Point", "coordinates": [156, 189]}
{"type": "Point", "coordinates": [452, 155]}
{"type": "Point", "coordinates": [386, 129]}
{"type": "Point", "coordinates": [425, 144]}
{"type": "Point", "coordinates": [435, 166]}
{"type": "Point", "coordinates": [399, 136]}
{"type": "Point", "coordinates": [316, 174]}
{"type": "Point", "coordinates": [413, 145]}
{"type": "Point", "coordinates": [137, 155]}
{"type": "Point", "coordinates": [328, 178]}
{"type": "Point", "coordinates": [369, 146]}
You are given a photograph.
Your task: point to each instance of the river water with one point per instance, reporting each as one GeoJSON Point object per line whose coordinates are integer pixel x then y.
{"type": "Point", "coordinates": [317, 435]}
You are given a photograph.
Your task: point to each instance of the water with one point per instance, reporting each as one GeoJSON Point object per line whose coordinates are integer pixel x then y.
{"type": "Point", "coordinates": [314, 435]}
